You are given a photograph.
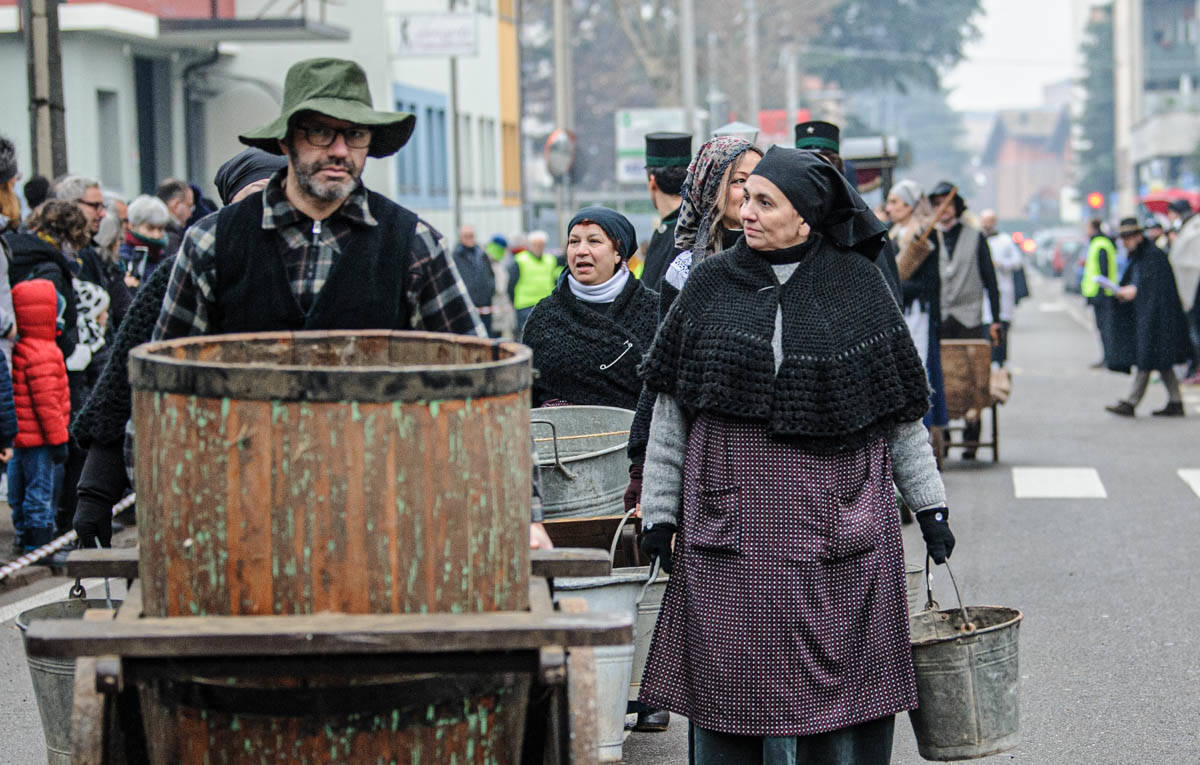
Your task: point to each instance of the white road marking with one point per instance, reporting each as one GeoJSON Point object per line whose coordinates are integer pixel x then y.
{"type": "Point", "coordinates": [1057, 483]}
{"type": "Point", "coordinates": [1191, 477]}
{"type": "Point", "coordinates": [94, 587]}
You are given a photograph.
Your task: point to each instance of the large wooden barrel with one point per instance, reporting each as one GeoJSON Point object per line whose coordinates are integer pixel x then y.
{"type": "Point", "coordinates": [293, 473]}
{"type": "Point", "coordinates": [285, 473]}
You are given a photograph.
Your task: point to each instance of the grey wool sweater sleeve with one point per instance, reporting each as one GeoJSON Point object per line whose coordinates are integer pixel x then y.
{"type": "Point", "coordinates": [914, 468]}
{"type": "Point", "coordinates": [662, 476]}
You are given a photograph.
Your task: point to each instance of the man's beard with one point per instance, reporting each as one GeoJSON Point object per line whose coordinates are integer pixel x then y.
{"type": "Point", "coordinates": [328, 191]}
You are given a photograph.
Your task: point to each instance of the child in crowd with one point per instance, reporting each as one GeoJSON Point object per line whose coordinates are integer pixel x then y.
{"type": "Point", "coordinates": [43, 406]}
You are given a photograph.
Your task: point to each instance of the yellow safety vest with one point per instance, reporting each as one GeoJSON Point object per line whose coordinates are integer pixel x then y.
{"type": "Point", "coordinates": [536, 278]}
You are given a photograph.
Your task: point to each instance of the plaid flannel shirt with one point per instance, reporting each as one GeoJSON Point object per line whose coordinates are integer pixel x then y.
{"type": "Point", "coordinates": [436, 292]}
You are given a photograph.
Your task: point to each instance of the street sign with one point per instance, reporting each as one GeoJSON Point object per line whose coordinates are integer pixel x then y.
{"type": "Point", "coordinates": [632, 125]}
{"type": "Point", "coordinates": [437, 34]}
{"type": "Point", "coordinates": [560, 152]}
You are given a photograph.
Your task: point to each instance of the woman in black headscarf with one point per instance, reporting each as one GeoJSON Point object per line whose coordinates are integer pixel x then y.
{"type": "Point", "coordinates": [789, 396]}
{"type": "Point", "coordinates": [589, 335]}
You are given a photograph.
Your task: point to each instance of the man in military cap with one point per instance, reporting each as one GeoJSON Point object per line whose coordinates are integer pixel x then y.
{"type": "Point", "coordinates": [344, 257]}
{"type": "Point", "coordinates": [825, 138]}
{"type": "Point", "coordinates": [667, 158]}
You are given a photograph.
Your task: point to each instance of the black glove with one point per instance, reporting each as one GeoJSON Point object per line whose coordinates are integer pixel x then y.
{"type": "Point", "coordinates": [633, 494]}
{"type": "Point", "coordinates": [92, 522]}
{"type": "Point", "coordinates": [656, 543]}
{"type": "Point", "coordinates": [58, 453]}
{"type": "Point", "coordinates": [935, 527]}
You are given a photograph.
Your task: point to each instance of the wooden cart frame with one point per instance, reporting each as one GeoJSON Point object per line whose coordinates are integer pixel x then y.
{"type": "Point", "coordinates": [967, 370]}
{"type": "Point", "coordinates": [552, 647]}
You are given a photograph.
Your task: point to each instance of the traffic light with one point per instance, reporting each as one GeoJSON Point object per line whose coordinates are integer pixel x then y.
{"type": "Point", "coordinates": [1095, 200]}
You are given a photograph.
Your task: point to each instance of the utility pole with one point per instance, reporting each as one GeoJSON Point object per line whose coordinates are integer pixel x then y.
{"type": "Point", "coordinates": [48, 137]}
{"type": "Point", "coordinates": [792, 83]}
{"type": "Point", "coordinates": [687, 62]}
{"type": "Point", "coordinates": [564, 112]}
{"type": "Point", "coordinates": [454, 133]}
{"type": "Point", "coordinates": [714, 97]}
{"type": "Point", "coordinates": [752, 54]}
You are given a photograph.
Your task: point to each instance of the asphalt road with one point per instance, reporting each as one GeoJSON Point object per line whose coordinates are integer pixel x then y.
{"type": "Point", "coordinates": [1109, 647]}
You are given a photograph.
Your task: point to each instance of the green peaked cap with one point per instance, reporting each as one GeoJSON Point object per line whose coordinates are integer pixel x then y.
{"type": "Point", "coordinates": [336, 88]}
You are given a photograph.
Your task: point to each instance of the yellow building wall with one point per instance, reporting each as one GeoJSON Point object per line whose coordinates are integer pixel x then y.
{"type": "Point", "coordinates": [510, 103]}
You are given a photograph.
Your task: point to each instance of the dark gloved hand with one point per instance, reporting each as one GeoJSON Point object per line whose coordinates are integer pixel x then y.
{"type": "Point", "coordinates": [656, 543]}
{"type": "Point", "coordinates": [633, 494]}
{"type": "Point", "coordinates": [935, 527]}
{"type": "Point", "coordinates": [58, 453]}
{"type": "Point", "coordinates": [92, 522]}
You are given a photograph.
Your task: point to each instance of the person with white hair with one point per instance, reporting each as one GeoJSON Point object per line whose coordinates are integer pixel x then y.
{"type": "Point", "coordinates": [537, 275]}
{"type": "Point", "coordinates": [145, 245]}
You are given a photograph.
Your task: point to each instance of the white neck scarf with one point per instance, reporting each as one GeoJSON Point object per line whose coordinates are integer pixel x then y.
{"type": "Point", "coordinates": [600, 293]}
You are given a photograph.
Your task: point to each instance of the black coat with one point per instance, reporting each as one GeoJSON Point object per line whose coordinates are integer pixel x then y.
{"type": "Point", "coordinates": [33, 258]}
{"type": "Point", "coordinates": [660, 251]}
{"type": "Point", "coordinates": [475, 268]}
{"type": "Point", "coordinates": [587, 355]}
{"type": "Point", "coordinates": [1149, 332]}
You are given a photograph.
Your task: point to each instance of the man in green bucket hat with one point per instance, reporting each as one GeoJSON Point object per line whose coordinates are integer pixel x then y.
{"type": "Point", "coordinates": [317, 250]}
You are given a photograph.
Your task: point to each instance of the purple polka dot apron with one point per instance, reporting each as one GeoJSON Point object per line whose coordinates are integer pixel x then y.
{"type": "Point", "coordinates": [785, 614]}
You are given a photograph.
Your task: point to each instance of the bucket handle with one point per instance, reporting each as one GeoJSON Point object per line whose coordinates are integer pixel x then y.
{"type": "Point", "coordinates": [557, 462]}
{"type": "Point", "coordinates": [932, 605]}
{"type": "Point", "coordinates": [612, 554]}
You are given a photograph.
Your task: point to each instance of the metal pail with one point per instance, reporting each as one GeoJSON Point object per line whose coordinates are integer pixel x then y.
{"type": "Point", "coordinates": [643, 628]}
{"type": "Point", "coordinates": [581, 453]}
{"type": "Point", "coordinates": [967, 676]}
{"type": "Point", "coordinates": [54, 679]}
{"type": "Point", "coordinates": [618, 593]}
{"type": "Point", "coordinates": [914, 579]}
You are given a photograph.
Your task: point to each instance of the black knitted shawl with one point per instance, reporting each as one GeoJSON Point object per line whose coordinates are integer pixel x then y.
{"type": "Point", "coordinates": [102, 418]}
{"type": "Point", "coordinates": [586, 357]}
{"type": "Point", "coordinates": [850, 369]}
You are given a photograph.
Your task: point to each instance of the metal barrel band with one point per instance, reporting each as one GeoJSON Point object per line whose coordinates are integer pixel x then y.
{"type": "Point", "coordinates": [932, 605]}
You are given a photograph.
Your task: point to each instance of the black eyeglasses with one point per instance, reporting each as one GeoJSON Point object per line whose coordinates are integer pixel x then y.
{"type": "Point", "coordinates": [93, 205]}
{"type": "Point", "coordinates": [322, 136]}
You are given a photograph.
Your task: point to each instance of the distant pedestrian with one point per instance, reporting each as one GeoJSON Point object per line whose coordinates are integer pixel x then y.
{"type": "Point", "coordinates": [180, 201]}
{"type": "Point", "coordinates": [506, 273]}
{"type": "Point", "coordinates": [667, 158]}
{"type": "Point", "coordinates": [1149, 329]}
{"type": "Point", "coordinates": [1185, 260]}
{"type": "Point", "coordinates": [968, 278]}
{"type": "Point", "coordinates": [43, 405]}
{"type": "Point", "coordinates": [54, 229]}
{"type": "Point", "coordinates": [1101, 260]}
{"type": "Point", "coordinates": [86, 193]}
{"type": "Point", "coordinates": [537, 275]}
{"type": "Point", "coordinates": [475, 268]}
{"type": "Point", "coordinates": [1006, 259]}
{"type": "Point", "coordinates": [145, 245]}
{"type": "Point", "coordinates": [36, 190]}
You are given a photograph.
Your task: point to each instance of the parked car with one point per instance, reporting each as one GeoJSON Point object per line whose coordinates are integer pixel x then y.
{"type": "Point", "coordinates": [1073, 254]}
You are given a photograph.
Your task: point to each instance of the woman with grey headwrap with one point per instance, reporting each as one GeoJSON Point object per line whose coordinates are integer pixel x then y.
{"type": "Point", "coordinates": [909, 212]}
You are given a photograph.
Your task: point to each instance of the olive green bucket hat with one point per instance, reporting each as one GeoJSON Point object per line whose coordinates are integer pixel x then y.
{"type": "Point", "coordinates": [336, 88]}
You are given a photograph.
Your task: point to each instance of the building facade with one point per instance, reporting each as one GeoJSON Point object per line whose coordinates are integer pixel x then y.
{"type": "Point", "coordinates": [159, 88]}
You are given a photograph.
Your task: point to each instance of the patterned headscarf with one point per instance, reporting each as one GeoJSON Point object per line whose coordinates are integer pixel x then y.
{"type": "Point", "coordinates": [701, 191]}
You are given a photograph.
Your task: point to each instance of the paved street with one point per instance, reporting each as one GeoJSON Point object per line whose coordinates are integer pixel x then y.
{"type": "Point", "coordinates": [1108, 647]}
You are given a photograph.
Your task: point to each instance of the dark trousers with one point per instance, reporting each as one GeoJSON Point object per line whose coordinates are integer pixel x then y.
{"type": "Point", "coordinates": [868, 743]}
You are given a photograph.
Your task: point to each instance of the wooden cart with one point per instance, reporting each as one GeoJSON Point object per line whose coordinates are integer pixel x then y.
{"type": "Point", "coordinates": [967, 369]}
{"type": "Point", "coordinates": [136, 679]}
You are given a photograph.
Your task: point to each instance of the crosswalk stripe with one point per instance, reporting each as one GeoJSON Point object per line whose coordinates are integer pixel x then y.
{"type": "Point", "coordinates": [1057, 483]}
{"type": "Point", "coordinates": [1191, 477]}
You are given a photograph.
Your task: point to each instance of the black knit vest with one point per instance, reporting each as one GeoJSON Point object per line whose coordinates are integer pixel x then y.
{"type": "Point", "coordinates": [367, 287]}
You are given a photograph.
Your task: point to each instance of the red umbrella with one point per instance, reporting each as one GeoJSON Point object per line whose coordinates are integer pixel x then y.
{"type": "Point", "coordinates": [1157, 201]}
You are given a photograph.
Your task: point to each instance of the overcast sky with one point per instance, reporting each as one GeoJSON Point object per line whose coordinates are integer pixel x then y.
{"type": "Point", "coordinates": [1025, 45]}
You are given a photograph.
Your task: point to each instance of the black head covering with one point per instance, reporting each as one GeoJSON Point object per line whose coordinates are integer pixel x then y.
{"type": "Point", "coordinates": [668, 149]}
{"type": "Point", "coordinates": [616, 225]}
{"type": "Point", "coordinates": [8, 160]}
{"type": "Point", "coordinates": [825, 199]}
{"type": "Point", "coordinates": [819, 136]}
{"type": "Point", "coordinates": [243, 169]}
{"type": "Point", "coordinates": [944, 188]}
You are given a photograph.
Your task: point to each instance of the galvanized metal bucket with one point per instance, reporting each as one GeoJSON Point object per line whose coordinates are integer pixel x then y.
{"type": "Point", "coordinates": [54, 679]}
{"type": "Point", "coordinates": [618, 592]}
{"type": "Point", "coordinates": [581, 453]}
{"type": "Point", "coordinates": [967, 676]}
{"type": "Point", "coordinates": [648, 607]}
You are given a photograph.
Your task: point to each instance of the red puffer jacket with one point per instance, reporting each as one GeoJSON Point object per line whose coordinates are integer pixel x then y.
{"type": "Point", "coordinates": [39, 375]}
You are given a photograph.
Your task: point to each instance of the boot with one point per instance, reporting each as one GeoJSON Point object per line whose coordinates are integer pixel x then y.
{"type": "Point", "coordinates": [653, 721]}
{"type": "Point", "coordinates": [1172, 409]}
{"type": "Point", "coordinates": [1122, 408]}
{"type": "Point", "coordinates": [971, 432]}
